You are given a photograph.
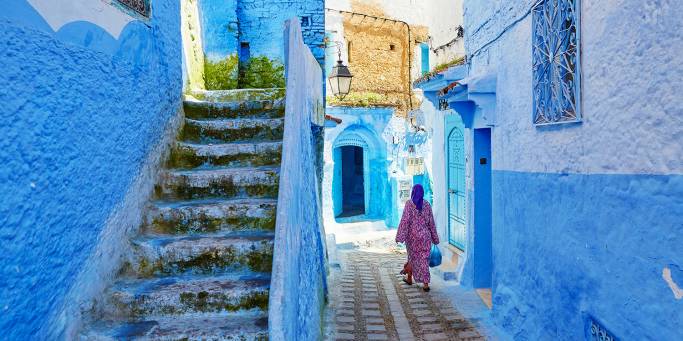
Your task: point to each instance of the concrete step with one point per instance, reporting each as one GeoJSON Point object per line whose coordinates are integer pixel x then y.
{"type": "Point", "coordinates": [203, 110]}
{"type": "Point", "coordinates": [247, 327]}
{"type": "Point", "coordinates": [200, 254]}
{"type": "Point", "coordinates": [189, 155]}
{"type": "Point", "coordinates": [185, 295]}
{"type": "Point", "coordinates": [260, 182]}
{"type": "Point", "coordinates": [232, 130]}
{"type": "Point", "coordinates": [253, 103]}
{"type": "Point", "coordinates": [204, 216]}
{"type": "Point", "coordinates": [236, 95]}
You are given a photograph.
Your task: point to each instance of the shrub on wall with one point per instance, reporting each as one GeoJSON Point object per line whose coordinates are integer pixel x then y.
{"type": "Point", "coordinates": [361, 99]}
{"type": "Point", "coordinates": [262, 72]}
{"type": "Point", "coordinates": [221, 75]}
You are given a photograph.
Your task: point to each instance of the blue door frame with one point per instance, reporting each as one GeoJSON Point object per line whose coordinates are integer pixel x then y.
{"type": "Point", "coordinates": [455, 151]}
{"type": "Point", "coordinates": [483, 264]}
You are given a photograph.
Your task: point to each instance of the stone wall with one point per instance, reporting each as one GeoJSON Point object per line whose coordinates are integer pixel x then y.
{"type": "Point", "coordinates": [89, 93]}
{"type": "Point", "coordinates": [261, 23]}
{"type": "Point", "coordinates": [586, 217]}
{"type": "Point", "coordinates": [376, 67]}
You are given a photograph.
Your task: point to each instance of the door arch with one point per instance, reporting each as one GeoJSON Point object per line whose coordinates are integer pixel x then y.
{"type": "Point", "coordinates": [455, 152]}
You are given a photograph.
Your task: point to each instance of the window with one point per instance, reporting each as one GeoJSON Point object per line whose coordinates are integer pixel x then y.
{"type": "Point", "coordinates": [424, 49]}
{"type": "Point", "coordinates": [305, 21]}
{"type": "Point", "coordinates": [556, 57]}
{"type": "Point", "coordinates": [139, 6]}
{"type": "Point", "coordinates": [348, 52]}
{"type": "Point", "coordinates": [392, 47]}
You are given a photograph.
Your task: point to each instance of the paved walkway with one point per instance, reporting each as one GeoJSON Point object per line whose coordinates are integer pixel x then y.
{"type": "Point", "coordinates": [369, 301]}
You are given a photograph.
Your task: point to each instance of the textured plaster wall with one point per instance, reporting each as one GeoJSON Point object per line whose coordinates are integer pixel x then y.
{"type": "Point", "coordinates": [84, 109]}
{"type": "Point", "coordinates": [298, 287]}
{"type": "Point", "coordinates": [586, 217]}
{"type": "Point", "coordinates": [262, 21]}
{"type": "Point", "coordinates": [220, 28]}
{"type": "Point", "coordinates": [193, 52]}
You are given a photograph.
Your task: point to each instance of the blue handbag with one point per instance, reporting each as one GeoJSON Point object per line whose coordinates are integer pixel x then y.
{"type": "Point", "coordinates": [434, 256]}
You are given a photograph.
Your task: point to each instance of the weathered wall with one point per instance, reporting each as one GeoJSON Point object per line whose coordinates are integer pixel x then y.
{"type": "Point", "coordinates": [298, 286]}
{"type": "Point", "coordinates": [586, 217]}
{"type": "Point", "coordinates": [89, 90]}
{"type": "Point", "coordinates": [220, 28]}
{"type": "Point", "coordinates": [261, 23]}
{"type": "Point", "coordinates": [378, 69]}
{"type": "Point", "coordinates": [193, 50]}
{"type": "Point", "coordinates": [377, 53]}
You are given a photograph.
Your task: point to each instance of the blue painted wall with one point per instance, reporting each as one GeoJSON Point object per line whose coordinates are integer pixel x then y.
{"type": "Point", "coordinates": [220, 28]}
{"type": "Point", "coordinates": [482, 208]}
{"type": "Point", "coordinates": [298, 287]}
{"type": "Point", "coordinates": [260, 23]}
{"type": "Point", "coordinates": [227, 23]}
{"type": "Point", "coordinates": [369, 124]}
{"type": "Point", "coordinates": [586, 217]}
{"type": "Point", "coordinates": [597, 246]}
{"type": "Point", "coordinates": [82, 110]}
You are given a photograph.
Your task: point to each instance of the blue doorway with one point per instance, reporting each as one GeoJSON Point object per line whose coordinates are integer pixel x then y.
{"type": "Point", "coordinates": [483, 265]}
{"type": "Point", "coordinates": [352, 181]}
{"type": "Point", "coordinates": [455, 152]}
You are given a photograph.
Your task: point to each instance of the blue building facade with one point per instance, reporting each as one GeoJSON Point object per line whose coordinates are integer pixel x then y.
{"type": "Point", "coordinates": [358, 156]}
{"type": "Point", "coordinates": [572, 166]}
{"type": "Point", "coordinates": [91, 92]}
{"type": "Point", "coordinates": [254, 27]}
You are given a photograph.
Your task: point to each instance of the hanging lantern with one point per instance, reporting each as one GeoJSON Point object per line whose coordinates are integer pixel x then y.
{"type": "Point", "coordinates": [340, 80]}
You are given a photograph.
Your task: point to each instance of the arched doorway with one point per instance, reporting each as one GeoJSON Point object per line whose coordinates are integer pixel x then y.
{"type": "Point", "coordinates": [455, 151]}
{"type": "Point", "coordinates": [352, 181]}
{"type": "Point", "coordinates": [352, 178]}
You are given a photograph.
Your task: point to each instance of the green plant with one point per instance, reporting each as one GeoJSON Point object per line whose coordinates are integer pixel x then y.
{"type": "Point", "coordinates": [360, 99]}
{"type": "Point", "coordinates": [221, 75]}
{"type": "Point", "coordinates": [261, 72]}
{"type": "Point", "coordinates": [440, 68]}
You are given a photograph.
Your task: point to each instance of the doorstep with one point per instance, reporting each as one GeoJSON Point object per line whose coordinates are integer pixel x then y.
{"type": "Point", "coordinates": [448, 270]}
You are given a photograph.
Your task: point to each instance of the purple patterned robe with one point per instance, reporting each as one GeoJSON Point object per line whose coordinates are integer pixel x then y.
{"type": "Point", "coordinates": [418, 231]}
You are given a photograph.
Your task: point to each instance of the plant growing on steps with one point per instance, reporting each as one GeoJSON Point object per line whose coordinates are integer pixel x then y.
{"type": "Point", "coordinates": [259, 73]}
{"type": "Point", "coordinates": [221, 75]}
{"type": "Point", "coordinates": [262, 73]}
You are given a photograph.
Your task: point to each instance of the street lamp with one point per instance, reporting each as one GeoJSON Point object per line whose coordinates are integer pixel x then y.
{"type": "Point", "coordinates": [340, 79]}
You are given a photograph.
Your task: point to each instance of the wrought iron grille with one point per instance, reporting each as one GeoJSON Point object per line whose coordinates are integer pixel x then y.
{"type": "Point", "coordinates": [556, 57]}
{"type": "Point", "coordinates": [139, 6]}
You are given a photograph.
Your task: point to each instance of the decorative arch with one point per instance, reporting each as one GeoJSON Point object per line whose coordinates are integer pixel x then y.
{"type": "Point", "coordinates": [351, 139]}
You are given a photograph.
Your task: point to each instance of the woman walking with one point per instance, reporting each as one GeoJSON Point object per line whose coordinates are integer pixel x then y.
{"type": "Point", "coordinates": [418, 232]}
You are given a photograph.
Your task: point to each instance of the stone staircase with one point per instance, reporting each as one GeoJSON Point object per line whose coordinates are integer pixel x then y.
{"type": "Point", "coordinates": [200, 268]}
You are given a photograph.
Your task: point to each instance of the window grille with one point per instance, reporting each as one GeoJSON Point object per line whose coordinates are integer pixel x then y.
{"type": "Point", "coordinates": [139, 6]}
{"type": "Point", "coordinates": [556, 62]}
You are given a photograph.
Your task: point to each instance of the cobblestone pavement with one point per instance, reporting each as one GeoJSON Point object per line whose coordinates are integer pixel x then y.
{"type": "Point", "coordinates": [370, 302]}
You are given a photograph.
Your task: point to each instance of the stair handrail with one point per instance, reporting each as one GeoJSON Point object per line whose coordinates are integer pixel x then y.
{"type": "Point", "coordinates": [298, 286]}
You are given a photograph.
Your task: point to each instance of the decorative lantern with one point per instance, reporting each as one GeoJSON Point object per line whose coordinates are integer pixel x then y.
{"type": "Point", "coordinates": [340, 79]}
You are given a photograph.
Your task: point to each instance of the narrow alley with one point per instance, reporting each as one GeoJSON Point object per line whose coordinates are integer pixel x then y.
{"type": "Point", "coordinates": [370, 301]}
{"type": "Point", "coordinates": [341, 170]}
